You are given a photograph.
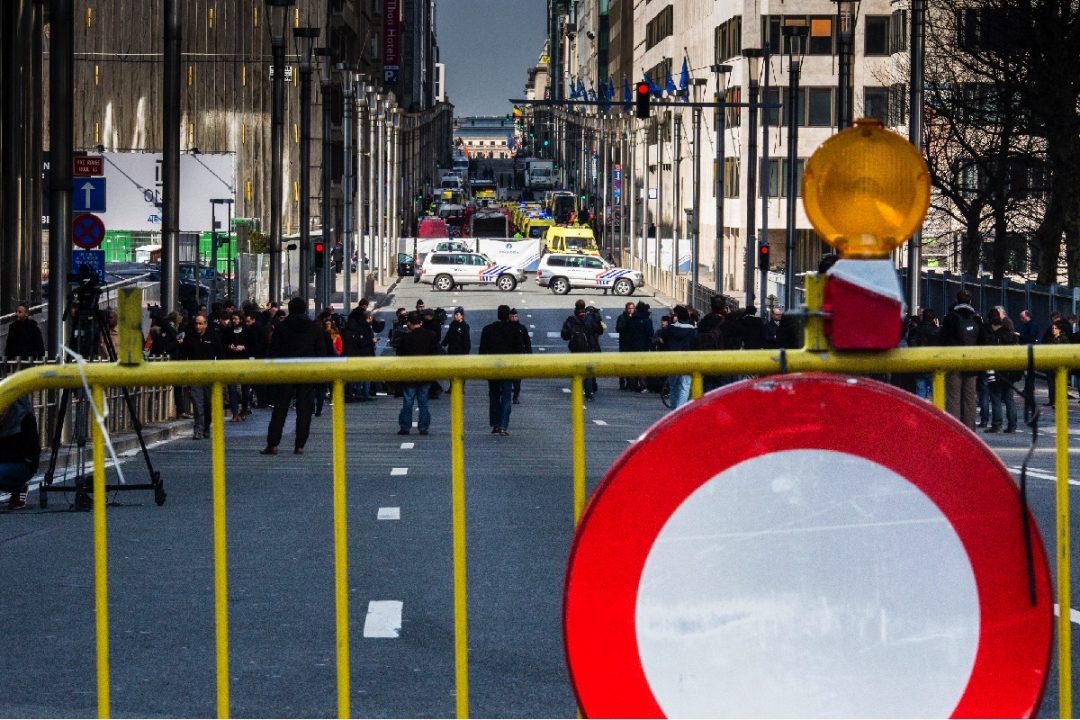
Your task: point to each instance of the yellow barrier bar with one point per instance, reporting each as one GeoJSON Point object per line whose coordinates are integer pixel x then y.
{"type": "Point", "coordinates": [129, 349]}
{"type": "Point", "coordinates": [1061, 418]}
{"type": "Point", "coordinates": [101, 559]}
{"type": "Point", "coordinates": [577, 429]}
{"type": "Point", "coordinates": [461, 607]}
{"type": "Point", "coordinates": [341, 552]}
{"type": "Point", "coordinates": [939, 390]}
{"type": "Point", "coordinates": [697, 385]}
{"type": "Point", "coordinates": [221, 565]}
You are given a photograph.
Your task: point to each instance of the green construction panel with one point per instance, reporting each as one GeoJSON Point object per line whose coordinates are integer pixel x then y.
{"type": "Point", "coordinates": [117, 246]}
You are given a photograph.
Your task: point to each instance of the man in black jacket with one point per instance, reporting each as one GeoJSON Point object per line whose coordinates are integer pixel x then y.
{"type": "Point", "coordinates": [417, 341]}
{"type": "Point", "coordinates": [526, 348]}
{"type": "Point", "coordinates": [500, 338]}
{"type": "Point", "coordinates": [297, 336]}
{"type": "Point", "coordinates": [24, 336]}
{"type": "Point", "coordinates": [200, 343]}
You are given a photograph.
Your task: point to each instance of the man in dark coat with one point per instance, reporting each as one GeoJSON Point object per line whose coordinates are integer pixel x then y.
{"type": "Point", "coordinates": [295, 337]}
{"type": "Point", "coordinates": [200, 343]}
{"type": "Point", "coordinates": [962, 326]}
{"type": "Point", "coordinates": [500, 338]}
{"type": "Point", "coordinates": [417, 341]}
{"type": "Point", "coordinates": [24, 336]}
{"type": "Point", "coordinates": [526, 348]}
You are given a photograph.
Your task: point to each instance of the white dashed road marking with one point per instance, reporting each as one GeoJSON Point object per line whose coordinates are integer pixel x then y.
{"type": "Point", "coordinates": [398, 471]}
{"type": "Point", "coordinates": [599, 422]}
{"type": "Point", "coordinates": [383, 619]}
{"type": "Point", "coordinates": [408, 446]}
{"type": "Point", "coordinates": [1074, 614]}
{"type": "Point", "coordinates": [389, 513]}
{"type": "Point", "coordinates": [554, 334]}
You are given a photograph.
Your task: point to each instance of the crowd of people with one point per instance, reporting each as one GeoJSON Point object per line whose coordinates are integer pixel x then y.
{"type": "Point", "coordinates": [986, 400]}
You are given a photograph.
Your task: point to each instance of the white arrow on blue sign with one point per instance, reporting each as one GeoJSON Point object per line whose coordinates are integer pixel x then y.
{"type": "Point", "coordinates": [88, 195]}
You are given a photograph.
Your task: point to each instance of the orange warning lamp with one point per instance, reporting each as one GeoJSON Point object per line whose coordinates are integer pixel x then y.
{"type": "Point", "coordinates": [866, 190]}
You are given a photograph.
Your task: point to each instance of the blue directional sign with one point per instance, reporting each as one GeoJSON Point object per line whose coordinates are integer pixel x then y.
{"type": "Point", "coordinates": [94, 259]}
{"type": "Point", "coordinates": [88, 194]}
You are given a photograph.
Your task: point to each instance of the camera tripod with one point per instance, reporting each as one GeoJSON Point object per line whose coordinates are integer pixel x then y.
{"type": "Point", "coordinates": [88, 323]}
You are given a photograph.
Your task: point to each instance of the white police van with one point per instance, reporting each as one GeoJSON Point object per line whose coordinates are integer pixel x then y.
{"type": "Point", "coordinates": [562, 272]}
{"type": "Point", "coordinates": [445, 270]}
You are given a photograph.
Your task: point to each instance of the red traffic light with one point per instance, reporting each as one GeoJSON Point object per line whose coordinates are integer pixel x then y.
{"type": "Point", "coordinates": [642, 100]}
{"type": "Point", "coordinates": [319, 247]}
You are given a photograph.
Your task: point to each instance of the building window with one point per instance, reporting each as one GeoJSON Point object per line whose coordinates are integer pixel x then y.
{"type": "Point", "coordinates": [822, 36]}
{"type": "Point", "coordinates": [734, 114]}
{"type": "Point", "coordinates": [771, 30]}
{"type": "Point", "coordinates": [876, 35]}
{"type": "Point", "coordinates": [897, 105]}
{"type": "Point", "coordinates": [876, 103]}
{"type": "Point", "coordinates": [731, 177]}
{"type": "Point", "coordinates": [778, 180]}
{"type": "Point", "coordinates": [660, 27]}
{"type": "Point", "coordinates": [819, 107]}
{"type": "Point", "coordinates": [727, 39]}
{"type": "Point", "coordinates": [771, 113]}
{"type": "Point", "coordinates": [898, 32]}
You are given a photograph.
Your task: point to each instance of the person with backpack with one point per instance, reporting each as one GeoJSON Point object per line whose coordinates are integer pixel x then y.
{"type": "Point", "coordinates": [962, 326]}
{"type": "Point", "coordinates": [582, 331]}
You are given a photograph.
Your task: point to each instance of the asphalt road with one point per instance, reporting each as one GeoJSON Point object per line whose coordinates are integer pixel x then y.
{"type": "Point", "coordinates": [520, 525]}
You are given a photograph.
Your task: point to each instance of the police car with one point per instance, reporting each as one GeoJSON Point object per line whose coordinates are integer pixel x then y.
{"type": "Point", "coordinates": [562, 272]}
{"type": "Point", "coordinates": [444, 270]}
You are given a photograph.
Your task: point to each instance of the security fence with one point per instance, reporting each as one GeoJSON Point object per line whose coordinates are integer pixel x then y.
{"type": "Point", "coordinates": [815, 356]}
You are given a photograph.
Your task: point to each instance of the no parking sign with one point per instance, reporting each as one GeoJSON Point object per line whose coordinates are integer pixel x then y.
{"type": "Point", "coordinates": [807, 546]}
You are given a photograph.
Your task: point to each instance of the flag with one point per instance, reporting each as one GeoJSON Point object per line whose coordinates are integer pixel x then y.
{"type": "Point", "coordinates": [653, 87]}
{"type": "Point", "coordinates": [670, 86]}
{"type": "Point", "coordinates": [628, 96]}
{"type": "Point", "coordinates": [610, 89]}
{"type": "Point", "coordinates": [592, 94]}
{"type": "Point", "coordinates": [581, 89]}
{"type": "Point", "coordinates": [518, 112]}
{"type": "Point", "coordinates": [573, 90]}
{"type": "Point", "coordinates": [684, 77]}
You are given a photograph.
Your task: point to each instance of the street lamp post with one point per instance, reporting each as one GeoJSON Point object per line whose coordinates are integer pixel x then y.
{"type": "Point", "coordinates": [348, 79]}
{"type": "Point", "coordinates": [793, 33]}
{"type": "Point", "coordinates": [915, 131]}
{"type": "Point", "coordinates": [753, 64]}
{"type": "Point", "coordinates": [305, 40]}
{"type": "Point", "coordinates": [721, 134]}
{"type": "Point", "coordinates": [277, 17]}
{"type": "Point", "coordinates": [324, 278]}
{"type": "Point", "coordinates": [846, 14]}
{"type": "Point", "coordinates": [695, 222]}
{"type": "Point", "coordinates": [214, 243]}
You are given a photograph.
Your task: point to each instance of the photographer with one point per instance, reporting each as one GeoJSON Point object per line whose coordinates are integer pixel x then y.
{"type": "Point", "coordinates": [19, 451]}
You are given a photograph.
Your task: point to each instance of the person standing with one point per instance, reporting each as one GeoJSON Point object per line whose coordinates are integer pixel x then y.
{"type": "Point", "coordinates": [457, 340]}
{"type": "Point", "coordinates": [582, 332]}
{"type": "Point", "coordinates": [1001, 387]}
{"type": "Point", "coordinates": [679, 335]}
{"type": "Point", "coordinates": [24, 336]}
{"type": "Point", "coordinates": [624, 326]}
{"type": "Point", "coordinates": [200, 343]}
{"type": "Point", "coordinates": [297, 336]}
{"type": "Point", "coordinates": [500, 338]}
{"type": "Point", "coordinates": [526, 349]}
{"type": "Point", "coordinates": [235, 344]}
{"type": "Point", "coordinates": [962, 326]}
{"type": "Point", "coordinates": [417, 341]}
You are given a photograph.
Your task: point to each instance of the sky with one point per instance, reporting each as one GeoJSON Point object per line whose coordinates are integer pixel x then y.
{"type": "Point", "coordinates": [487, 46]}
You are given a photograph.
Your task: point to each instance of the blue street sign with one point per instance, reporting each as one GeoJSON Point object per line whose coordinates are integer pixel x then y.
{"type": "Point", "coordinates": [94, 259]}
{"type": "Point", "coordinates": [88, 195]}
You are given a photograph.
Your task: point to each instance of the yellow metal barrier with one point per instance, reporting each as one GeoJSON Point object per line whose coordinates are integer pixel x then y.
{"type": "Point", "coordinates": [812, 358]}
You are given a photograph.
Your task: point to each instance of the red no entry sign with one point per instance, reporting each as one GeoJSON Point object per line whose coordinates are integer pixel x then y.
{"type": "Point", "coordinates": [807, 546]}
{"type": "Point", "coordinates": [87, 231]}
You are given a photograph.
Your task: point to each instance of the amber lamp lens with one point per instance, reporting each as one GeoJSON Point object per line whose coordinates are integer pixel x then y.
{"type": "Point", "coordinates": [866, 190]}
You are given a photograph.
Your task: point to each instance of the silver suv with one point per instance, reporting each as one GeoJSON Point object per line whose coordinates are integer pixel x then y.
{"type": "Point", "coordinates": [444, 270]}
{"type": "Point", "coordinates": [565, 271]}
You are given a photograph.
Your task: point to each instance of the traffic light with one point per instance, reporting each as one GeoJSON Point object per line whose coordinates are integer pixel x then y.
{"type": "Point", "coordinates": [317, 256]}
{"type": "Point", "coordinates": [763, 256]}
{"type": "Point", "coordinates": [642, 100]}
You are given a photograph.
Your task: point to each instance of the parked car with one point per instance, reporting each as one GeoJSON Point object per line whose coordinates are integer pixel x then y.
{"type": "Point", "coordinates": [445, 270]}
{"type": "Point", "coordinates": [562, 272]}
